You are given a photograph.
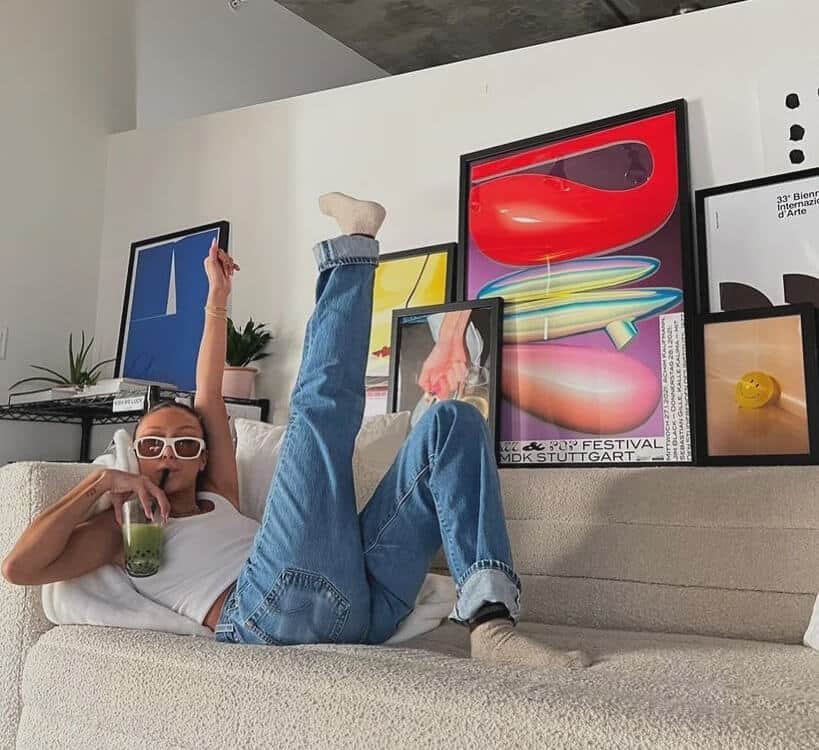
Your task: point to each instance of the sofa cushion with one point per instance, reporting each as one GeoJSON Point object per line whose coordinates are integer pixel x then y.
{"type": "Point", "coordinates": [715, 551]}
{"type": "Point", "coordinates": [257, 453]}
{"type": "Point", "coordinates": [376, 447]}
{"type": "Point", "coordinates": [26, 489]}
{"type": "Point", "coordinates": [158, 691]}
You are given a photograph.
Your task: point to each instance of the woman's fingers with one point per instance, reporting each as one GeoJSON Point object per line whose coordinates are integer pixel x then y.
{"type": "Point", "coordinates": [227, 263]}
{"type": "Point", "coordinates": [439, 388]}
{"type": "Point", "coordinates": [117, 503]}
{"type": "Point", "coordinates": [219, 267]}
{"type": "Point", "coordinates": [145, 499]}
{"type": "Point", "coordinates": [212, 258]}
{"type": "Point", "coordinates": [161, 499]}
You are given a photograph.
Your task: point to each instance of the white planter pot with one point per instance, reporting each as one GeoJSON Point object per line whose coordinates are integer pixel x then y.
{"type": "Point", "coordinates": [239, 382]}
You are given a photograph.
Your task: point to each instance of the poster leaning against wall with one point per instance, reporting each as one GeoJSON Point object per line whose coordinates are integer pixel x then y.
{"type": "Point", "coordinates": [758, 242]}
{"type": "Point", "coordinates": [410, 278]}
{"type": "Point", "coordinates": [163, 311]}
{"type": "Point", "coordinates": [586, 235]}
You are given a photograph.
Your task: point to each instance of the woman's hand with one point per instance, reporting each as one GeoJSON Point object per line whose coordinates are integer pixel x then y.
{"type": "Point", "coordinates": [445, 369]}
{"type": "Point", "coordinates": [219, 267]}
{"type": "Point", "coordinates": [123, 485]}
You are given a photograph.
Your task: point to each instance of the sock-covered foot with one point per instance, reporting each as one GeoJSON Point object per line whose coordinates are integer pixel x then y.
{"type": "Point", "coordinates": [497, 640]}
{"type": "Point", "coordinates": [353, 216]}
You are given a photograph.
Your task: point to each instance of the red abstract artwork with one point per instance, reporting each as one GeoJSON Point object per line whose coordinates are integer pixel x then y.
{"type": "Point", "coordinates": [584, 234]}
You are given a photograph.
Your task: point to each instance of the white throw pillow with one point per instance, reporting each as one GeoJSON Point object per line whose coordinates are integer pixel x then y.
{"type": "Point", "coordinates": [376, 447]}
{"type": "Point", "coordinates": [257, 452]}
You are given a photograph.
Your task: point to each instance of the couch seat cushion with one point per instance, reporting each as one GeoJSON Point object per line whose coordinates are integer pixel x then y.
{"type": "Point", "coordinates": [87, 687]}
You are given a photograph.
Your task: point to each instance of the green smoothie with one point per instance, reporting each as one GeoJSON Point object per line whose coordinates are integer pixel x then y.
{"type": "Point", "coordinates": [143, 548]}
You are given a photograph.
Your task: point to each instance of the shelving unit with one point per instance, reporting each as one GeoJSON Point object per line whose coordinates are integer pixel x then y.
{"type": "Point", "coordinates": [87, 411]}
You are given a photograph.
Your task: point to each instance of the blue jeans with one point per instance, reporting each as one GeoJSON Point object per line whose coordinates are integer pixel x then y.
{"type": "Point", "coordinates": [320, 572]}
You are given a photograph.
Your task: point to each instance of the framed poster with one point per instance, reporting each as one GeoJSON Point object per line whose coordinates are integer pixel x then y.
{"type": "Point", "coordinates": [758, 242]}
{"type": "Point", "coordinates": [446, 352]}
{"type": "Point", "coordinates": [163, 312]}
{"type": "Point", "coordinates": [759, 379]}
{"type": "Point", "coordinates": [585, 234]}
{"type": "Point", "coordinates": [411, 278]}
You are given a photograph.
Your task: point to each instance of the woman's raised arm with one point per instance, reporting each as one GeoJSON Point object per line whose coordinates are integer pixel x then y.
{"type": "Point", "coordinates": [220, 472]}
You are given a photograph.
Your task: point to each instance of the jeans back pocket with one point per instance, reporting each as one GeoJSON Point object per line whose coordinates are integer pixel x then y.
{"type": "Point", "coordinates": [301, 607]}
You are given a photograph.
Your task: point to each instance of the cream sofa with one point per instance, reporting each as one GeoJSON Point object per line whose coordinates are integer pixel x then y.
{"type": "Point", "coordinates": [690, 587]}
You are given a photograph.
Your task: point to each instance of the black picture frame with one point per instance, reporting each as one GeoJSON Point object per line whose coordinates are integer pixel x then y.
{"type": "Point", "coordinates": [374, 382]}
{"type": "Point", "coordinates": [495, 307]}
{"type": "Point", "coordinates": [755, 297]}
{"type": "Point", "coordinates": [223, 229]}
{"type": "Point", "coordinates": [688, 262]}
{"type": "Point", "coordinates": [808, 321]}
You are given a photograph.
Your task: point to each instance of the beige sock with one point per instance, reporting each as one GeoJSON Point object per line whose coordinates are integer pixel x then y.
{"type": "Point", "coordinates": [496, 640]}
{"type": "Point", "coordinates": [353, 216]}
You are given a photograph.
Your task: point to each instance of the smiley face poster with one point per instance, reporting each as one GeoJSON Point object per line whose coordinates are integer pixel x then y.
{"type": "Point", "coordinates": [585, 234]}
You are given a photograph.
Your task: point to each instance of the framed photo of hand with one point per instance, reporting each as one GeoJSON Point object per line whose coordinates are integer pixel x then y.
{"type": "Point", "coordinates": [446, 352]}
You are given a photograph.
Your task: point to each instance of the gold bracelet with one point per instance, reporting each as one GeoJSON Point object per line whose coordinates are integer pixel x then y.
{"type": "Point", "coordinates": [214, 314]}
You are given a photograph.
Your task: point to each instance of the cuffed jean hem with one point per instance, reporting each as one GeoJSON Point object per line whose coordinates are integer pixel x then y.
{"type": "Point", "coordinates": [344, 250]}
{"type": "Point", "coordinates": [486, 581]}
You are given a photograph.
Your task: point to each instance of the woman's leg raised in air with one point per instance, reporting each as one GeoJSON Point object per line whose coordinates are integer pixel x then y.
{"type": "Point", "coordinates": [305, 580]}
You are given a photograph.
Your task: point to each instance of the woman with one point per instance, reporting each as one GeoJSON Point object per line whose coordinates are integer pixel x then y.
{"type": "Point", "coordinates": [314, 571]}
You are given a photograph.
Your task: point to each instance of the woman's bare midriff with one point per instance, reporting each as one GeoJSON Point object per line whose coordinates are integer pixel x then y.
{"type": "Point", "coordinates": [212, 617]}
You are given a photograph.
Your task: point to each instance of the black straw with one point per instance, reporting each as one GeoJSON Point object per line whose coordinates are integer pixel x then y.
{"type": "Point", "coordinates": [162, 479]}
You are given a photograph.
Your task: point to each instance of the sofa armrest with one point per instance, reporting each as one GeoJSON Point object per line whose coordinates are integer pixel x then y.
{"type": "Point", "coordinates": [26, 489]}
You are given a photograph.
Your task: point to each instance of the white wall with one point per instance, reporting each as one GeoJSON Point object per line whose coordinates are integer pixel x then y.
{"type": "Point", "coordinates": [198, 56]}
{"type": "Point", "coordinates": [66, 82]}
{"type": "Point", "coordinates": [399, 139]}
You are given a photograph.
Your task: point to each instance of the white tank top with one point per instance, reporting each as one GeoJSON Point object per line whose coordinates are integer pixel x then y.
{"type": "Point", "coordinates": [203, 555]}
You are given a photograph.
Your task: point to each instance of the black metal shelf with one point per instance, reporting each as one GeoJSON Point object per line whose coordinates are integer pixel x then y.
{"type": "Point", "coordinates": [88, 411]}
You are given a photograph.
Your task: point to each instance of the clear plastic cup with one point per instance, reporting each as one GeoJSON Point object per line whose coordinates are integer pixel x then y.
{"type": "Point", "coordinates": [475, 389]}
{"type": "Point", "coordinates": [143, 539]}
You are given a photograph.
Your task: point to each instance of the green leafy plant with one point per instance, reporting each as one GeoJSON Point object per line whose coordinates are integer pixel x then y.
{"type": "Point", "coordinates": [248, 345]}
{"type": "Point", "coordinates": [79, 373]}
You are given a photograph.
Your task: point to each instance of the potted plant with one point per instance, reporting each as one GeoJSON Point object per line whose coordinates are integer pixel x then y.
{"type": "Point", "coordinates": [79, 373]}
{"type": "Point", "coordinates": [244, 347]}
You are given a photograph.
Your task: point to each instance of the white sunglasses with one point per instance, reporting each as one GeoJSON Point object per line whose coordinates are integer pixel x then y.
{"type": "Point", "coordinates": [186, 448]}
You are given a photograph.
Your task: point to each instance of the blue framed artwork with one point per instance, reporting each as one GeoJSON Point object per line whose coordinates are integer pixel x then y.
{"type": "Point", "coordinates": [163, 311]}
